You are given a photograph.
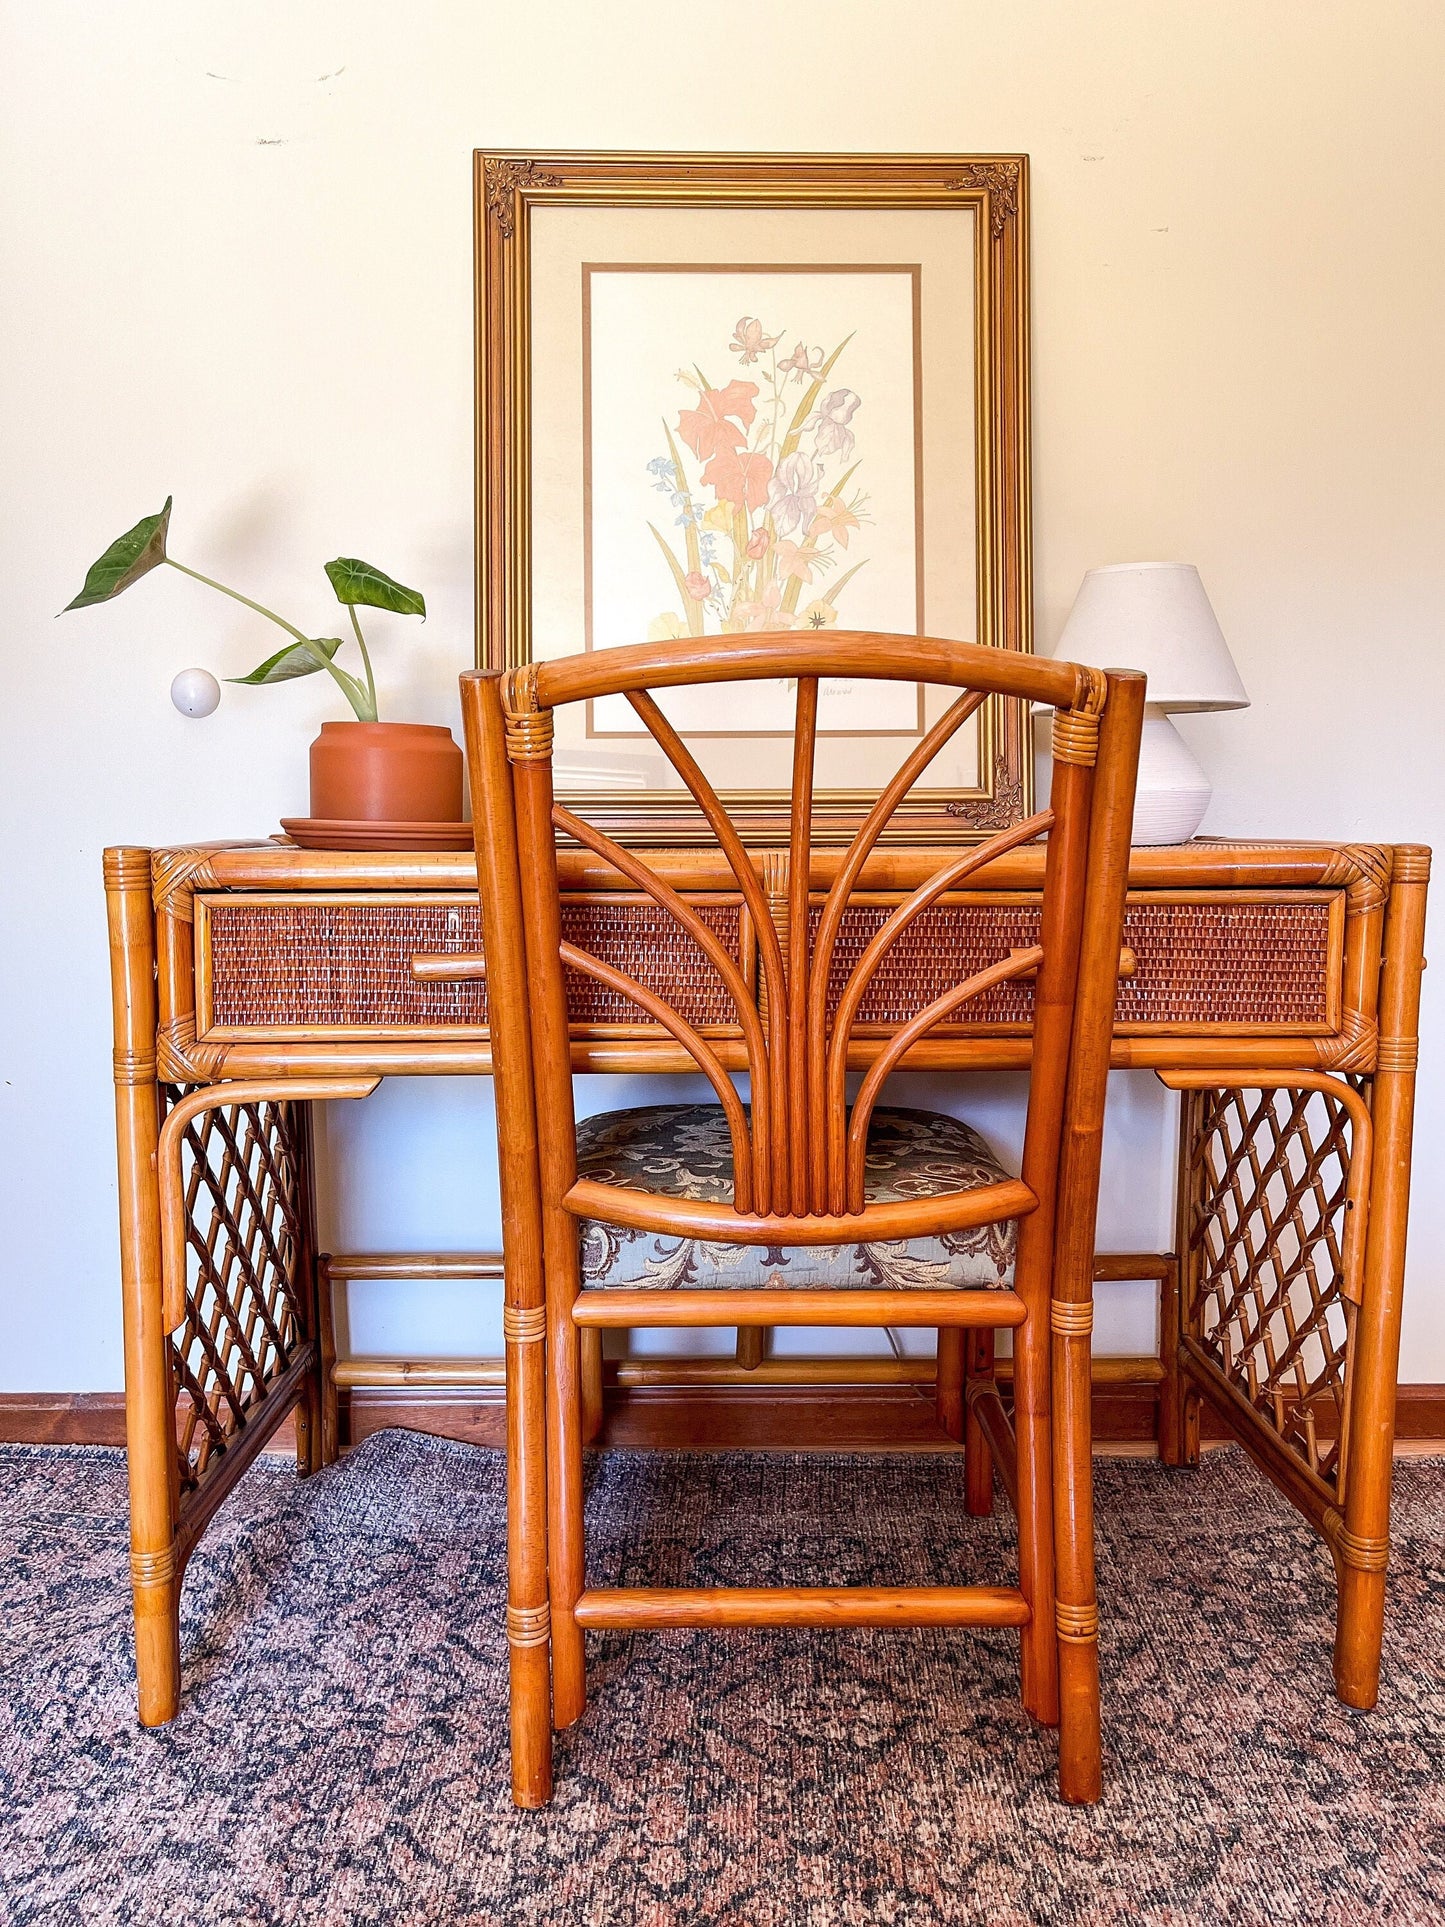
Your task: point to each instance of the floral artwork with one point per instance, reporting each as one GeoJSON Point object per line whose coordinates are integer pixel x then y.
{"type": "Point", "coordinates": [767, 517]}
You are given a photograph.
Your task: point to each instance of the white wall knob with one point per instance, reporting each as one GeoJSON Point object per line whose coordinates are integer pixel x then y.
{"type": "Point", "coordinates": [195, 692]}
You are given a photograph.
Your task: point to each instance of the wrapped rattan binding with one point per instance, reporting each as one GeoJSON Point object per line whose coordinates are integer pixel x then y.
{"type": "Point", "coordinates": [524, 1325]}
{"type": "Point", "coordinates": [529, 738]}
{"type": "Point", "coordinates": [1364, 1555]}
{"type": "Point", "coordinates": [1076, 737]}
{"type": "Point", "coordinates": [133, 1067]}
{"type": "Point", "coordinates": [1397, 1054]}
{"type": "Point", "coordinates": [1071, 1320]}
{"type": "Point", "coordinates": [153, 1568]}
{"type": "Point", "coordinates": [1079, 1625]}
{"type": "Point", "coordinates": [529, 728]}
{"type": "Point", "coordinates": [529, 1625]}
{"type": "Point", "coordinates": [1076, 731]}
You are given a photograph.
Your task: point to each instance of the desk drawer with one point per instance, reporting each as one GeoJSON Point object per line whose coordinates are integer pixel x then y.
{"type": "Point", "coordinates": [340, 965]}
{"type": "Point", "coordinates": [337, 965]}
{"type": "Point", "coordinates": [1239, 961]}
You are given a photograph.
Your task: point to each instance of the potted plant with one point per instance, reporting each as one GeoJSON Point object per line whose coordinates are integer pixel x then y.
{"type": "Point", "coordinates": [362, 772]}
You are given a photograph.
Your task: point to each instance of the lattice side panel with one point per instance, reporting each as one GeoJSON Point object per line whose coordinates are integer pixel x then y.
{"type": "Point", "coordinates": [1267, 1176]}
{"type": "Point", "coordinates": [246, 1287]}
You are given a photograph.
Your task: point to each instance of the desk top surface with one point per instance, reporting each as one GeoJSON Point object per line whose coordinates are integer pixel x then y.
{"type": "Point", "coordinates": [1362, 869]}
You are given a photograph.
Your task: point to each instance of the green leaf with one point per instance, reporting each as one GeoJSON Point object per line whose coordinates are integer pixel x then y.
{"type": "Point", "coordinates": [296, 659]}
{"type": "Point", "coordinates": [356, 581]}
{"type": "Point", "coordinates": [836, 589]}
{"type": "Point", "coordinates": [128, 558]}
{"type": "Point", "coordinates": [835, 493]}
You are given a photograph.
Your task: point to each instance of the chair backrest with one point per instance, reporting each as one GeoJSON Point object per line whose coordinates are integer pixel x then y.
{"type": "Point", "coordinates": [798, 1158]}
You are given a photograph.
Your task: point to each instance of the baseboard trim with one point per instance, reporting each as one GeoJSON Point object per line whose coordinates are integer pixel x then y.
{"type": "Point", "coordinates": [764, 1417]}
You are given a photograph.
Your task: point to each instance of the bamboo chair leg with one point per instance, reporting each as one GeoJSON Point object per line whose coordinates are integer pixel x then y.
{"type": "Point", "coordinates": [1080, 1770]}
{"type": "Point", "coordinates": [566, 1548]}
{"type": "Point", "coordinates": [1038, 1644]}
{"type": "Point", "coordinates": [978, 1460]}
{"type": "Point", "coordinates": [591, 1370]}
{"type": "Point", "coordinates": [1071, 1308]}
{"type": "Point", "coordinates": [528, 1613]}
{"type": "Point", "coordinates": [948, 1393]}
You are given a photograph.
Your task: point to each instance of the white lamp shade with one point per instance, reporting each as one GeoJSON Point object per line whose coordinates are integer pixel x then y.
{"type": "Point", "coordinates": [1156, 617]}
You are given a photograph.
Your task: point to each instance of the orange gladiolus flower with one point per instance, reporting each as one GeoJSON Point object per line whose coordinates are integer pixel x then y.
{"type": "Point", "coordinates": [740, 476]}
{"type": "Point", "coordinates": [720, 420]}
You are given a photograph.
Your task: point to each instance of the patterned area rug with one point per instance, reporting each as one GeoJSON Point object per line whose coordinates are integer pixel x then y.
{"type": "Point", "coordinates": [340, 1753]}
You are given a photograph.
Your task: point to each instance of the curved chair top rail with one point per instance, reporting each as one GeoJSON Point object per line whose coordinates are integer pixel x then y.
{"type": "Point", "coordinates": [845, 652]}
{"type": "Point", "coordinates": [801, 1155]}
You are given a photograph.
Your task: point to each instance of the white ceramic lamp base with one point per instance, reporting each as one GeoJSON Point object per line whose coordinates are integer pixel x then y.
{"type": "Point", "coordinates": [1173, 791]}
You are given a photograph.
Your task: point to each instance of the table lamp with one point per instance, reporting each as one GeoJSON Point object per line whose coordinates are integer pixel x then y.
{"type": "Point", "coordinates": [1156, 617]}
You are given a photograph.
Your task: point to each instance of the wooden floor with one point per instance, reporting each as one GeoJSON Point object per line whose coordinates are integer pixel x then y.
{"type": "Point", "coordinates": [896, 1418]}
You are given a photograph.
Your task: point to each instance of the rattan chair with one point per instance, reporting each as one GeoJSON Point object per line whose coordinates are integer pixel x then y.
{"type": "Point", "coordinates": [798, 1168]}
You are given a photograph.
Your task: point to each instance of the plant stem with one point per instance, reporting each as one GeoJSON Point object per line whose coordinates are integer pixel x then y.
{"type": "Point", "coordinates": [365, 657]}
{"type": "Point", "coordinates": [236, 596]}
{"type": "Point", "coordinates": [337, 676]}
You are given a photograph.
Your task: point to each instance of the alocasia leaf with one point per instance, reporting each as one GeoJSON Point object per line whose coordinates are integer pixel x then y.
{"type": "Point", "coordinates": [128, 558]}
{"type": "Point", "coordinates": [296, 659]}
{"type": "Point", "coordinates": [356, 581]}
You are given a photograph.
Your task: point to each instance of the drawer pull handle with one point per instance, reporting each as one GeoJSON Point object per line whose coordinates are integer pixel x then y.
{"type": "Point", "coordinates": [460, 966]}
{"type": "Point", "coordinates": [1128, 964]}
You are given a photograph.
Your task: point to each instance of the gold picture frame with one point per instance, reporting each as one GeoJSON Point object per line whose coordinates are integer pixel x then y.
{"type": "Point", "coordinates": [532, 323]}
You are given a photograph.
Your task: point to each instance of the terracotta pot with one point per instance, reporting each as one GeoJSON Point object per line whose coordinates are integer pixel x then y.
{"type": "Point", "coordinates": [386, 773]}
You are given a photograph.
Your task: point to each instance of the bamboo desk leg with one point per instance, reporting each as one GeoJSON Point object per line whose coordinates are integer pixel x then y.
{"type": "Point", "coordinates": [153, 1288]}
{"type": "Point", "coordinates": [1362, 1547]}
{"type": "Point", "coordinates": [149, 1425]}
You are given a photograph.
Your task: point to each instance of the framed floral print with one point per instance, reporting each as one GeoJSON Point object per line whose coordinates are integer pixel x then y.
{"type": "Point", "coordinates": [721, 393]}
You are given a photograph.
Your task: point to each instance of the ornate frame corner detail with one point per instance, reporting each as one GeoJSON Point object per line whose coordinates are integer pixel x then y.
{"type": "Point", "coordinates": [999, 180]}
{"type": "Point", "coordinates": [1001, 810]}
{"type": "Point", "coordinates": [504, 179]}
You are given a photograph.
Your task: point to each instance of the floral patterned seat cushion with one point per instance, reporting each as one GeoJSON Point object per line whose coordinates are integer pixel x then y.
{"type": "Point", "coordinates": [684, 1151]}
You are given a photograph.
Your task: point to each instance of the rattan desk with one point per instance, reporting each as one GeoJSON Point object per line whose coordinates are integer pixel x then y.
{"type": "Point", "coordinates": [1278, 984]}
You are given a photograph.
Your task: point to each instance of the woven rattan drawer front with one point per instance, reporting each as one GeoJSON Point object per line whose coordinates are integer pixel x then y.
{"type": "Point", "coordinates": [1241, 961]}
{"type": "Point", "coordinates": [1238, 960]}
{"type": "Point", "coordinates": [268, 963]}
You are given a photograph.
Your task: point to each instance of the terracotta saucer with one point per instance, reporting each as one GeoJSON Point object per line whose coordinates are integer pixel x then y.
{"type": "Point", "coordinates": [316, 833]}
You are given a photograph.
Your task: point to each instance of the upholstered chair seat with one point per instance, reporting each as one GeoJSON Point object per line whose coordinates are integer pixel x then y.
{"type": "Point", "coordinates": [684, 1151]}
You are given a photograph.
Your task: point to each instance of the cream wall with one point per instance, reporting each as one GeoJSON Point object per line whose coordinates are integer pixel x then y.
{"type": "Point", "coordinates": [237, 264]}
